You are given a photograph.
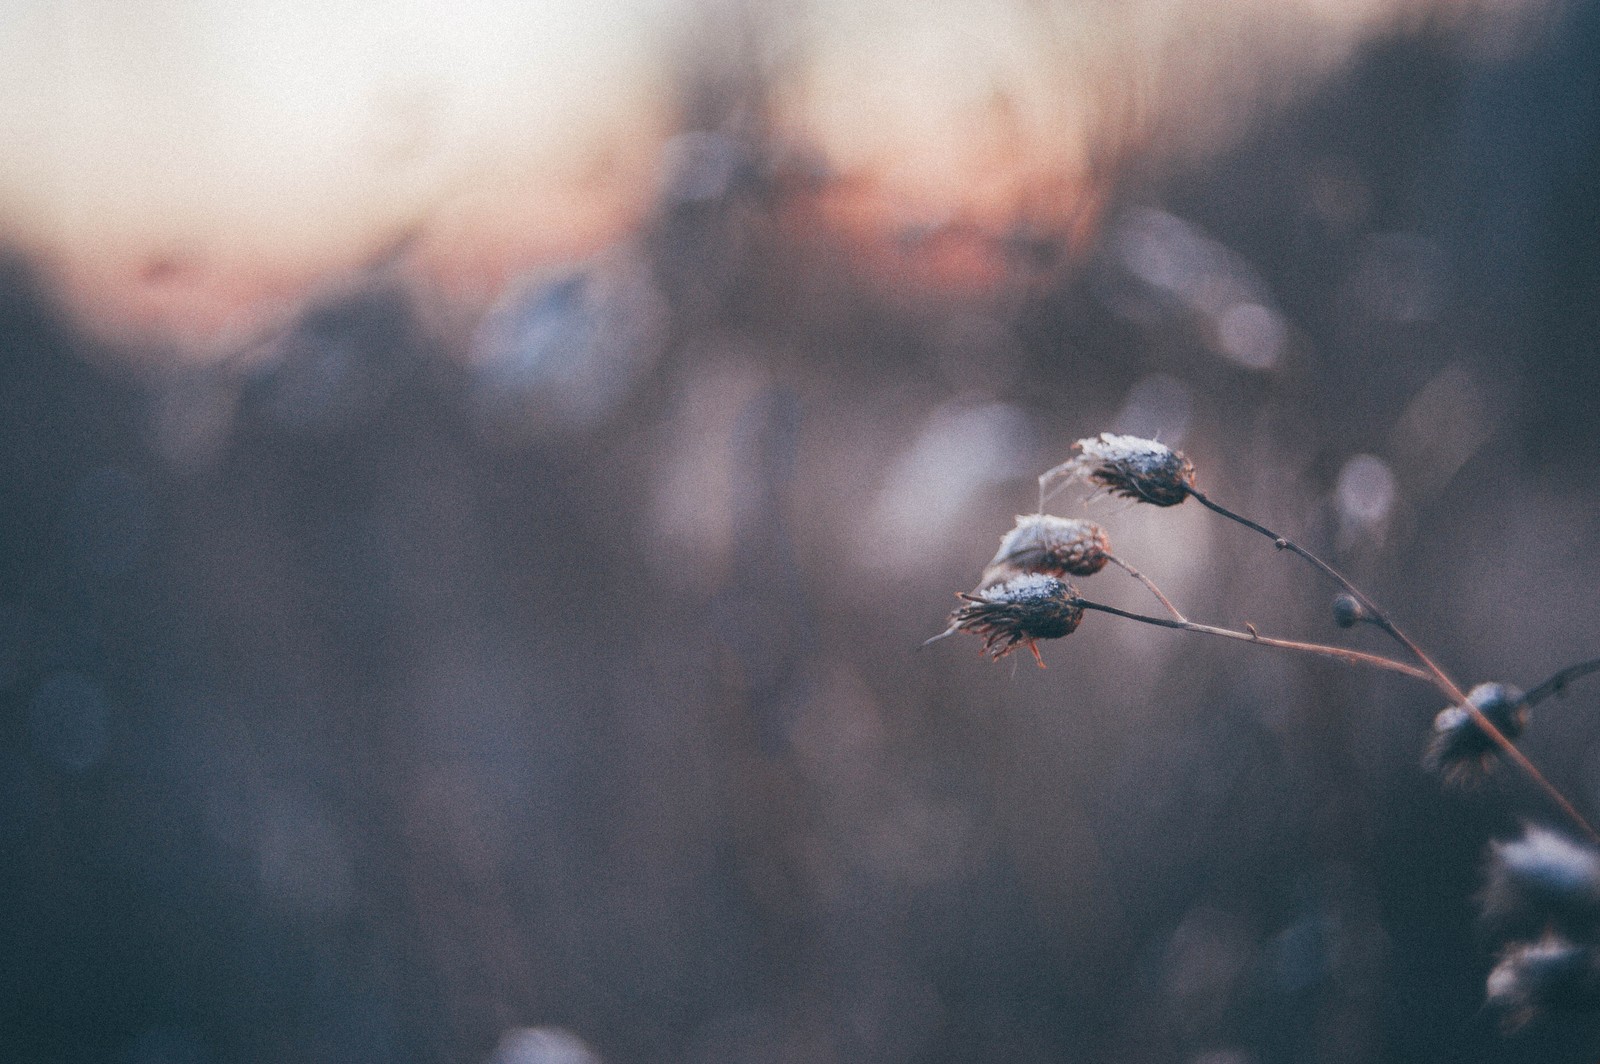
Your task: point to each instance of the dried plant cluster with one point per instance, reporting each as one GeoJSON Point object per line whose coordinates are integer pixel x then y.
{"type": "Point", "coordinates": [1543, 890]}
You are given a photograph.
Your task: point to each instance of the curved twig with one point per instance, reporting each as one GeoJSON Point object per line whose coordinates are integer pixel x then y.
{"type": "Point", "coordinates": [1556, 684]}
{"type": "Point", "coordinates": [1177, 615]}
{"type": "Point", "coordinates": [1349, 657]}
{"type": "Point", "coordinates": [1440, 680]}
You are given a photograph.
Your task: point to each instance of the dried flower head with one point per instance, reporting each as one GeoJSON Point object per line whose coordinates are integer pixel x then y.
{"type": "Point", "coordinates": [1129, 466]}
{"type": "Point", "coordinates": [1543, 879]}
{"type": "Point", "coordinates": [1550, 975]}
{"type": "Point", "coordinates": [1055, 546]}
{"type": "Point", "coordinates": [1462, 751]}
{"type": "Point", "coordinates": [1017, 612]}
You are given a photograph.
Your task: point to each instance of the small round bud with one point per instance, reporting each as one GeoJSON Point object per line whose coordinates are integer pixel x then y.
{"type": "Point", "coordinates": [1347, 612]}
{"type": "Point", "coordinates": [1134, 468]}
{"type": "Point", "coordinates": [1461, 751]}
{"type": "Point", "coordinates": [1017, 612]}
{"type": "Point", "coordinates": [1055, 546]}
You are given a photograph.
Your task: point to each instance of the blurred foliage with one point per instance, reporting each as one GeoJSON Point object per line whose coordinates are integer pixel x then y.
{"type": "Point", "coordinates": [545, 689]}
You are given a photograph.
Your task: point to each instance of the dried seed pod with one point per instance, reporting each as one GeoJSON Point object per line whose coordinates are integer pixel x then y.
{"type": "Point", "coordinates": [1461, 751]}
{"type": "Point", "coordinates": [1134, 468]}
{"type": "Point", "coordinates": [1018, 612]}
{"type": "Point", "coordinates": [1055, 546]}
{"type": "Point", "coordinates": [1550, 975]}
{"type": "Point", "coordinates": [1542, 880]}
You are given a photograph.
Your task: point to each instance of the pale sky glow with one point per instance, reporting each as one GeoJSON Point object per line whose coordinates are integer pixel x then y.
{"type": "Point", "coordinates": [947, 83]}
{"type": "Point", "coordinates": [173, 117]}
{"type": "Point", "coordinates": [243, 135]}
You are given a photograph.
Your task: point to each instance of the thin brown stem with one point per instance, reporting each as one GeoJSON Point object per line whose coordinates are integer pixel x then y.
{"type": "Point", "coordinates": [1531, 771]}
{"type": "Point", "coordinates": [1046, 477]}
{"type": "Point", "coordinates": [1349, 657]}
{"type": "Point", "coordinates": [1375, 615]}
{"type": "Point", "coordinates": [1151, 584]}
{"type": "Point", "coordinates": [1558, 683]}
{"type": "Point", "coordinates": [1437, 675]}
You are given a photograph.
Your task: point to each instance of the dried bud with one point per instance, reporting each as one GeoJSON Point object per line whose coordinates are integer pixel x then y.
{"type": "Point", "coordinates": [1347, 612]}
{"type": "Point", "coordinates": [1131, 467]}
{"type": "Point", "coordinates": [1461, 751]}
{"type": "Point", "coordinates": [1055, 546]}
{"type": "Point", "coordinates": [1543, 879]}
{"type": "Point", "coordinates": [1017, 612]}
{"type": "Point", "coordinates": [1550, 975]}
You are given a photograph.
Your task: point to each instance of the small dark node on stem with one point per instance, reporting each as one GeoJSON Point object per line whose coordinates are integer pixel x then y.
{"type": "Point", "coordinates": [1281, 543]}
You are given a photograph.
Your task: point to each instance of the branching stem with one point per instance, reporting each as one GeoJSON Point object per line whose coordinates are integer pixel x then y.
{"type": "Point", "coordinates": [1350, 657]}
{"type": "Point", "coordinates": [1558, 683]}
{"type": "Point", "coordinates": [1437, 675]}
{"type": "Point", "coordinates": [1374, 615]}
{"type": "Point", "coordinates": [1151, 584]}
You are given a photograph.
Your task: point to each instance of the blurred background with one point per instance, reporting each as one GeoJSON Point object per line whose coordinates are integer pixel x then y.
{"type": "Point", "coordinates": [474, 482]}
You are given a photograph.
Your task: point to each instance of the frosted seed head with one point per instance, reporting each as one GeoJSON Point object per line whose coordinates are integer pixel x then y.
{"type": "Point", "coordinates": [1461, 751]}
{"type": "Point", "coordinates": [1550, 975]}
{"type": "Point", "coordinates": [1055, 546]}
{"type": "Point", "coordinates": [1018, 612]}
{"type": "Point", "coordinates": [1130, 466]}
{"type": "Point", "coordinates": [1543, 879]}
